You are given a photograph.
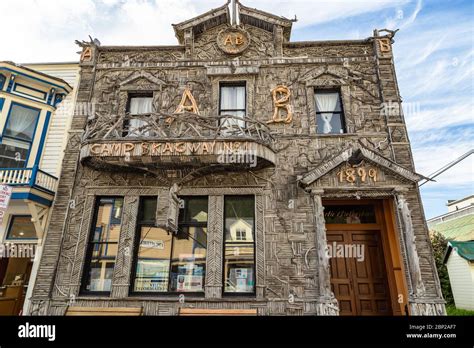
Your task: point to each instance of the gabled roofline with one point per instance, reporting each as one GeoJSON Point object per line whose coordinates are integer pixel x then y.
{"type": "Point", "coordinates": [272, 19]}
{"type": "Point", "coordinates": [370, 155]}
{"type": "Point", "coordinates": [179, 28]}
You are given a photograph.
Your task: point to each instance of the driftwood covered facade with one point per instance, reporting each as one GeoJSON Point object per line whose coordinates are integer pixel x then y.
{"type": "Point", "coordinates": [299, 173]}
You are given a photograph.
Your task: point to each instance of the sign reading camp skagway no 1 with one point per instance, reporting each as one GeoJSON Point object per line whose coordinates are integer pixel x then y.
{"type": "Point", "coordinates": [154, 149]}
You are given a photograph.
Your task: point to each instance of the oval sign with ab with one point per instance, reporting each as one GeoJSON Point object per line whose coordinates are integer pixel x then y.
{"type": "Point", "coordinates": [233, 40]}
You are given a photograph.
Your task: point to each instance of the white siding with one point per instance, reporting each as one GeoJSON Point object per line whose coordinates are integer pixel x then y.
{"type": "Point", "coordinates": [60, 121]}
{"type": "Point", "coordinates": [461, 276]}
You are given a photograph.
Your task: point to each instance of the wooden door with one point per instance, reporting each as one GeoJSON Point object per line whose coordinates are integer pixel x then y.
{"type": "Point", "coordinates": [359, 281]}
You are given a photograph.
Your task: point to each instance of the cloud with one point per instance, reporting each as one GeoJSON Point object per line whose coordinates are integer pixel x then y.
{"type": "Point", "coordinates": [46, 30]}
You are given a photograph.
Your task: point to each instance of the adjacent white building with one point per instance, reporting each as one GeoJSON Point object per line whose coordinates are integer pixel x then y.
{"type": "Point", "coordinates": [459, 260]}
{"type": "Point", "coordinates": [36, 109]}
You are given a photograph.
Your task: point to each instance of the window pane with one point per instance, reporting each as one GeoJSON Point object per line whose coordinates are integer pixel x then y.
{"type": "Point", "coordinates": [21, 227]}
{"type": "Point", "coordinates": [188, 263]}
{"type": "Point", "coordinates": [239, 261]}
{"type": "Point", "coordinates": [103, 244]}
{"type": "Point", "coordinates": [153, 263]}
{"type": "Point", "coordinates": [329, 123]}
{"type": "Point", "coordinates": [195, 210]}
{"type": "Point", "coordinates": [233, 97]}
{"type": "Point", "coordinates": [100, 275]}
{"type": "Point", "coordinates": [239, 267]}
{"type": "Point", "coordinates": [232, 124]}
{"type": "Point", "coordinates": [104, 250]}
{"type": "Point", "coordinates": [349, 214]}
{"type": "Point", "coordinates": [327, 101]}
{"type": "Point", "coordinates": [22, 122]}
{"type": "Point", "coordinates": [239, 215]}
{"type": "Point", "coordinates": [141, 105]}
{"type": "Point", "coordinates": [148, 210]}
{"type": "Point", "coordinates": [109, 219]}
{"type": "Point", "coordinates": [13, 153]}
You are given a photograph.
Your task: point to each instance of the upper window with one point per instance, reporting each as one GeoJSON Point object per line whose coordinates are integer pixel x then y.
{"type": "Point", "coordinates": [103, 245]}
{"type": "Point", "coordinates": [233, 102]}
{"type": "Point", "coordinates": [21, 227]}
{"type": "Point", "coordinates": [18, 136]}
{"type": "Point", "coordinates": [171, 263]}
{"type": "Point", "coordinates": [2, 81]}
{"type": "Point", "coordinates": [329, 113]}
{"type": "Point", "coordinates": [139, 107]}
{"type": "Point", "coordinates": [239, 244]}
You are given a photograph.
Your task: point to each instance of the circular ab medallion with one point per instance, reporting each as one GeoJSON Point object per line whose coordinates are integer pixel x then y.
{"type": "Point", "coordinates": [233, 40]}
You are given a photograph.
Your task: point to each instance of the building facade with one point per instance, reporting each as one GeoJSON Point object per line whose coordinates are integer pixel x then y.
{"type": "Point", "coordinates": [239, 173]}
{"type": "Point", "coordinates": [34, 117]}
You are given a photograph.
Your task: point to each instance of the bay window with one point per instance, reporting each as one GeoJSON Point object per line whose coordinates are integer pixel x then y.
{"type": "Point", "coordinates": [103, 245]}
{"type": "Point", "coordinates": [239, 245]}
{"type": "Point", "coordinates": [18, 135]}
{"type": "Point", "coordinates": [329, 114]}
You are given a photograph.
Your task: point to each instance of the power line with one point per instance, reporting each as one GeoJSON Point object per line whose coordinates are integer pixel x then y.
{"type": "Point", "coordinates": [447, 166]}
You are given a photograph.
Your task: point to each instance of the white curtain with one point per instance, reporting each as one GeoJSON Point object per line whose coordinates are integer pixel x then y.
{"type": "Point", "coordinates": [326, 102]}
{"type": "Point", "coordinates": [232, 98]}
{"type": "Point", "coordinates": [139, 106]}
{"type": "Point", "coordinates": [22, 122]}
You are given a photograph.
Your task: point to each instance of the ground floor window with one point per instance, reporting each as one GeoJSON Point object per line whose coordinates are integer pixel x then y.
{"type": "Point", "coordinates": [239, 244]}
{"type": "Point", "coordinates": [103, 245]}
{"type": "Point", "coordinates": [167, 262]}
{"type": "Point", "coordinates": [21, 227]}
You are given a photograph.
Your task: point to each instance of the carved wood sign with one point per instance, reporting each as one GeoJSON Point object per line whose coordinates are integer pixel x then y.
{"type": "Point", "coordinates": [233, 40]}
{"type": "Point", "coordinates": [283, 112]}
{"type": "Point", "coordinates": [124, 149]}
{"type": "Point", "coordinates": [361, 174]}
{"type": "Point", "coordinates": [183, 153]}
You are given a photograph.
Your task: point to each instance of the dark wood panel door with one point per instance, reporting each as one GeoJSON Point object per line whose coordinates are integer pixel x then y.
{"type": "Point", "coordinates": [358, 277]}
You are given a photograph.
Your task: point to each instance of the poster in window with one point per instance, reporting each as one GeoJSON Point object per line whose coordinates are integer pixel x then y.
{"type": "Point", "coordinates": [189, 283]}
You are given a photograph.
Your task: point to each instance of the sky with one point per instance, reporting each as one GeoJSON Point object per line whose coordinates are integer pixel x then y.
{"type": "Point", "coordinates": [434, 57]}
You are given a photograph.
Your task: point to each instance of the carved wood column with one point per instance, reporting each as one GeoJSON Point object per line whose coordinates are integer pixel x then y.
{"type": "Point", "coordinates": [327, 303]}
{"type": "Point", "coordinates": [259, 248]}
{"type": "Point", "coordinates": [215, 238]}
{"type": "Point", "coordinates": [417, 286]}
{"type": "Point", "coordinates": [123, 263]}
{"type": "Point", "coordinates": [420, 304]}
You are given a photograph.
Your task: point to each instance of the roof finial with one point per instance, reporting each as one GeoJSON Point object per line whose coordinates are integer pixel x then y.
{"type": "Point", "coordinates": [234, 13]}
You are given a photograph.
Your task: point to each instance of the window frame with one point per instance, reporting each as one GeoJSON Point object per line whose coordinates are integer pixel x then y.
{"type": "Point", "coordinates": [136, 248]}
{"type": "Point", "coordinates": [126, 121]}
{"type": "Point", "coordinates": [10, 225]}
{"type": "Point", "coordinates": [223, 84]}
{"type": "Point", "coordinates": [29, 142]}
{"type": "Point", "coordinates": [254, 243]}
{"type": "Point", "coordinates": [341, 113]}
{"type": "Point", "coordinates": [90, 249]}
{"type": "Point", "coordinates": [167, 293]}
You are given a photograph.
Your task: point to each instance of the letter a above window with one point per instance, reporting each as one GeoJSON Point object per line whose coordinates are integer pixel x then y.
{"type": "Point", "coordinates": [187, 104]}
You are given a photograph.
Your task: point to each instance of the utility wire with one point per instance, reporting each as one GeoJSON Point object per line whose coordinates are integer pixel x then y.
{"type": "Point", "coordinates": [447, 166]}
